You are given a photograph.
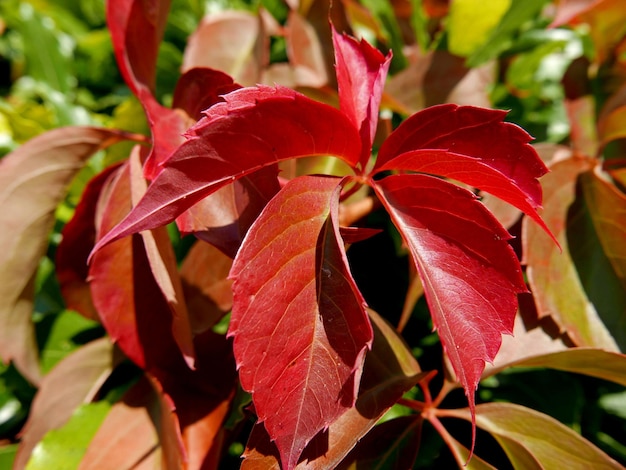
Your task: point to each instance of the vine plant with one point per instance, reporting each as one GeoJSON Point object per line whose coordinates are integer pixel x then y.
{"type": "Point", "coordinates": [320, 366]}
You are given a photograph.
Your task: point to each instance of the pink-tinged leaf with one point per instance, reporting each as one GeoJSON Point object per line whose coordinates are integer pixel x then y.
{"type": "Point", "coordinates": [527, 435]}
{"type": "Point", "coordinates": [552, 272]}
{"type": "Point", "coordinates": [469, 170]}
{"type": "Point", "coordinates": [593, 362]}
{"type": "Point", "coordinates": [361, 74]}
{"type": "Point", "coordinates": [605, 20]}
{"type": "Point", "coordinates": [524, 343]}
{"type": "Point", "coordinates": [481, 138]}
{"type": "Point", "coordinates": [470, 273]}
{"type": "Point", "coordinates": [299, 323]}
{"type": "Point", "coordinates": [260, 126]}
{"type": "Point", "coordinates": [129, 301]}
{"type": "Point", "coordinates": [437, 77]}
{"type": "Point", "coordinates": [33, 181]}
{"type": "Point", "coordinates": [137, 27]}
{"type": "Point", "coordinates": [73, 381]}
{"type": "Point", "coordinates": [230, 41]}
{"type": "Point", "coordinates": [128, 437]}
{"type": "Point", "coordinates": [223, 218]}
{"type": "Point", "coordinates": [78, 239]}
{"type": "Point", "coordinates": [390, 370]}
{"type": "Point", "coordinates": [163, 265]}
{"type": "Point", "coordinates": [200, 88]}
{"type": "Point", "coordinates": [208, 290]}
{"type": "Point", "coordinates": [304, 49]}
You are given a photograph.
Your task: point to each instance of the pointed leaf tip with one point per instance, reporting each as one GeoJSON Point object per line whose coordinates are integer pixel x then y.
{"type": "Point", "coordinates": [361, 72]}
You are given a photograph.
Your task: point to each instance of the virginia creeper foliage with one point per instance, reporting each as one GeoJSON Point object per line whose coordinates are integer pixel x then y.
{"type": "Point", "coordinates": [213, 260]}
{"type": "Point", "coordinates": [289, 321]}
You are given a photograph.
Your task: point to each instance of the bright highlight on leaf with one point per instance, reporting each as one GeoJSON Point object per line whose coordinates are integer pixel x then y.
{"type": "Point", "coordinates": [299, 326]}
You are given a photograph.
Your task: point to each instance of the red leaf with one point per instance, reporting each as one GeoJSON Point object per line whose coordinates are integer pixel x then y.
{"type": "Point", "coordinates": [472, 171]}
{"type": "Point", "coordinates": [479, 138]}
{"type": "Point", "coordinates": [470, 273]}
{"type": "Point", "coordinates": [125, 294]}
{"type": "Point", "coordinates": [200, 88]}
{"type": "Point", "coordinates": [79, 236]}
{"type": "Point", "coordinates": [33, 181]}
{"type": "Point", "coordinates": [223, 218]}
{"type": "Point", "coordinates": [162, 262]}
{"type": "Point", "coordinates": [260, 126]}
{"type": "Point", "coordinates": [361, 72]}
{"type": "Point", "coordinates": [136, 28]}
{"type": "Point", "coordinates": [299, 322]}
{"type": "Point", "coordinates": [389, 371]}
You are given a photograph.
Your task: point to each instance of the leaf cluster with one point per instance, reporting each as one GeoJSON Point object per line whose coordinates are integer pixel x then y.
{"type": "Point", "coordinates": [236, 236]}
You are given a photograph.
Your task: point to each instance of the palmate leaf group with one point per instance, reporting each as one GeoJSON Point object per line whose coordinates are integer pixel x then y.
{"type": "Point", "coordinates": [299, 324]}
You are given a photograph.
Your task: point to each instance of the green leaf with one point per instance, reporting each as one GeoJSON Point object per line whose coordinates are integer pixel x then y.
{"type": "Point", "coordinates": [587, 361]}
{"type": "Point", "coordinates": [470, 23]}
{"type": "Point", "coordinates": [7, 455]}
{"type": "Point", "coordinates": [614, 403]}
{"type": "Point", "coordinates": [534, 440]}
{"type": "Point", "coordinates": [48, 52]}
{"type": "Point", "coordinates": [64, 448]}
{"type": "Point", "coordinates": [502, 36]}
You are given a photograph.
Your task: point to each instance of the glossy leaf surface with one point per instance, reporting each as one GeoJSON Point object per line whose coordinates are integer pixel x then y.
{"type": "Point", "coordinates": [33, 181]}
{"type": "Point", "coordinates": [527, 434]}
{"type": "Point", "coordinates": [75, 380]}
{"type": "Point", "coordinates": [204, 164]}
{"type": "Point", "coordinates": [470, 311]}
{"type": "Point", "coordinates": [389, 371]}
{"type": "Point", "coordinates": [551, 272]}
{"type": "Point", "coordinates": [302, 358]}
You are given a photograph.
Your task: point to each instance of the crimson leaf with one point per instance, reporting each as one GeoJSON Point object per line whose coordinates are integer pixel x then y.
{"type": "Point", "coordinates": [233, 141]}
{"type": "Point", "coordinates": [360, 93]}
{"type": "Point", "coordinates": [302, 358]}
{"type": "Point", "coordinates": [469, 271]}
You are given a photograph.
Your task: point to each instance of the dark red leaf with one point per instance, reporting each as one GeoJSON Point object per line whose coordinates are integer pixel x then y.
{"type": "Point", "coordinates": [128, 299]}
{"type": "Point", "coordinates": [208, 292]}
{"type": "Point", "coordinates": [475, 135]}
{"type": "Point", "coordinates": [253, 129]}
{"type": "Point", "coordinates": [223, 218]}
{"type": "Point", "coordinates": [200, 400]}
{"type": "Point", "coordinates": [389, 371]}
{"type": "Point", "coordinates": [470, 273]}
{"type": "Point", "coordinates": [470, 170]}
{"type": "Point", "coordinates": [79, 237]}
{"type": "Point", "coordinates": [299, 321]}
{"type": "Point", "coordinates": [361, 72]}
{"type": "Point", "coordinates": [163, 266]}
{"type": "Point", "coordinates": [136, 28]}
